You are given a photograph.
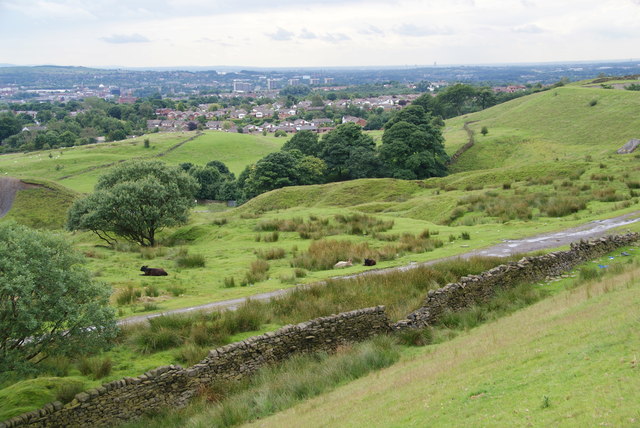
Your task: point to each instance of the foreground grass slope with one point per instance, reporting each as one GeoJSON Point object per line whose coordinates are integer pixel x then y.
{"type": "Point", "coordinates": [570, 360]}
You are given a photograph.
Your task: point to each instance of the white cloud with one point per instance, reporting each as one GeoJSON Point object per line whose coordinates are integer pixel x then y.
{"type": "Point", "coordinates": [125, 38]}
{"type": "Point", "coordinates": [528, 28]}
{"type": "Point", "coordinates": [281, 35]}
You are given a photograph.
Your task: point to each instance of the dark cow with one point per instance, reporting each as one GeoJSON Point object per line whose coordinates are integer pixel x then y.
{"type": "Point", "coordinates": [153, 271]}
{"type": "Point", "coordinates": [369, 262]}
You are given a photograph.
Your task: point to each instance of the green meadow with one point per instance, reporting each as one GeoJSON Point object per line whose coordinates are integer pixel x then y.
{"type": "Point", "coordinates": [548, 162]}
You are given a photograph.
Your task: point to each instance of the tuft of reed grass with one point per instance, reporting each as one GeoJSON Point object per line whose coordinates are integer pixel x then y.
{"type": "Point", "coordinates": [128, 295]}
{"type": "Point", "coordinates": [95, 366]}
{"type": "Point", "coordinates": [190, 261]}
{"type": "Point", "coordinates": [271, 253]}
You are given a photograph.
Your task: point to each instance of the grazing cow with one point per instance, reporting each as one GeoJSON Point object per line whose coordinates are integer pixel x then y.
{"type": "Point", "coordinates": [153, 271]}
{"type": "Point", "coordinates": [343, 264]}
{"type": "Point", "coordinates": [369, 262]}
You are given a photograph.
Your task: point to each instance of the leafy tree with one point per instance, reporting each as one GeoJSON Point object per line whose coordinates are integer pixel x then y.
{"type": "Point", "coordinates": [221, 167]}
{"type": "Point", "coordinates": [49, 303]}
{"type": "Point", "coordinates": [337, 148]}
{"type": "Point", "coordinates": [281, 169]}
{"type": "Point", "coordinates": [210, 181]}
{"type": "Point", "coordinates": [135, 200]}
{"type": "Point", "coordinates": [305, 141]}
{"type": "Point", "coordinates": [317, 101]}
{"type": "Point", "coordinates": [412, 148]}
{"type": "Point", "coordinates": [9, 125]}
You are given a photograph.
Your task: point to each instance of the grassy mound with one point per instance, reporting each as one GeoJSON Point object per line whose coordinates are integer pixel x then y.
{"type": "Point", "coordinates": [43, 206]}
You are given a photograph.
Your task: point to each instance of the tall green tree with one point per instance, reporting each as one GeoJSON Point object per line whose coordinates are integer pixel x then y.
{"type": "Point", "coordinates": [412, 147]}
{"type": "Point", "coordinates": [49, 303]}
{"type": "Point", "coordinates": [305, 141]}
{"type": "Point", "coordinates": [134, 201]}
{"type": "Point", "coordinates": [339, 148]}
{"type": "Point", "coordinates": [281, 169]}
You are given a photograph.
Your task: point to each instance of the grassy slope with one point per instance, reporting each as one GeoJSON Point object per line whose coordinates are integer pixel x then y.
{"type": "Point", "coordinates": [44, 206]}
{"type": "Point", "coordinates": [236, 150]}
{"type": "Point", "coordinates": [558, 123]}
{"type": "Point", "coordinates": [579, 349]}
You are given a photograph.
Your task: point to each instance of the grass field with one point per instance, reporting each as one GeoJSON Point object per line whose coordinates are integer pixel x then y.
{"type": "Point", "coordinates": [547, 163]}
{"type": "Point", "coordinates": [78, 168]}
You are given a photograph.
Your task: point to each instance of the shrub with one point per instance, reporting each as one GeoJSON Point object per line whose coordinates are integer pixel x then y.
{"type": "Point", "coordinates": [593, 102]}
{"type": "Point", "coordinates": [484, 130]}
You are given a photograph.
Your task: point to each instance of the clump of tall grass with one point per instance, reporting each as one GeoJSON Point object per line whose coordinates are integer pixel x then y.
{"type": "Point", "coordinates": [257, 272]}
{"type": "Point", "coordinates": [415, 336]}
{"type": "Point", "coordinates": [68, 390]}
{"type": "Point", "coordinates": [271, 253]}
{"type": "Point", "coordinates": [191, 261]}
{"type": "Point", "coordinates": [229, 282]}
{"type": "Point", "coordinates": [97, 367]}
{"type": "Point", "coordinates": [323, 254]}
{"type": "Point", "coordinates": [150, 253]}
{"type": "Point", "coordinates": [562, 206]}
{"type": "Point", "coordinates": [608, 194]}
{"type": "Point", "coordinates": [128, 295]}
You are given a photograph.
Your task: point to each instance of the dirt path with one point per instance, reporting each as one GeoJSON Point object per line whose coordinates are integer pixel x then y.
{"type": "Point", "coordinates": [9, 186]}
{"type": "Point", "coordinates": [508, 247]}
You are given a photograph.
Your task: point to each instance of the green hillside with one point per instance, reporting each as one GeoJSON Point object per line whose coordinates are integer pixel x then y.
{"type": "Point", "coordinates": [44, 205]}
{"type": "Point", "coordinates": [571, 360]}
{"type": "Point", "coordinates": [566, 123]}
{"type": "Point", "coordinates": [78, 168]}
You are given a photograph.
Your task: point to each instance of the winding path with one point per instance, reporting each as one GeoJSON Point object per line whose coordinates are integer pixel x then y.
{"type": "Point", "coordinates": [591, 230]}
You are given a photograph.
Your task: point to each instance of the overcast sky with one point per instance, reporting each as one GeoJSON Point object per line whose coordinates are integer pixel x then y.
{"type": "Point", "coordinates": [315, 33]}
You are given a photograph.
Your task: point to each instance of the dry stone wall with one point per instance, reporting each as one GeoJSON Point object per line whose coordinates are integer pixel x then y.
{"type": "Point", "coordinates": [173, 386]}
{"type": "Point", "coordinates": [473, 289]}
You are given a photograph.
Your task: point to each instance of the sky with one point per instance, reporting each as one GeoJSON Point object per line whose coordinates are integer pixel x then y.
{"type": "Point", "coordinates": [315, 33]}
